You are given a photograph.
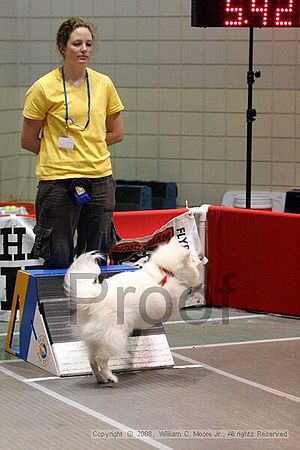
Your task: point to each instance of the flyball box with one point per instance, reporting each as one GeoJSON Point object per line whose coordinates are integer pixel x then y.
{"type": "Point", "coordinates": [46, 336]}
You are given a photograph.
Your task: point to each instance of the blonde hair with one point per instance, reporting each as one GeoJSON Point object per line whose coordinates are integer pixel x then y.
{"type": "Point", "coordinates": [67, 27]}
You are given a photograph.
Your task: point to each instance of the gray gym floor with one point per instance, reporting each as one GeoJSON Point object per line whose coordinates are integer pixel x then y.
{"type": "Point", "coordinates": [236, 379]}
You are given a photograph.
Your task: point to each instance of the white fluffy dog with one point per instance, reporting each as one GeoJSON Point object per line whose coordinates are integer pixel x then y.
{"type": "Point", "coordinates": [109, 312]}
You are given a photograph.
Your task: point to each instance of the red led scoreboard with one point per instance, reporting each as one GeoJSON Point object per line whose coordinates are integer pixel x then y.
{"type": "Point", "coordinates": [246, 13]}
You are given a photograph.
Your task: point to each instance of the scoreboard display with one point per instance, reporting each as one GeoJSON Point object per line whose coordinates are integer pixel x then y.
{"type": "Point", "coordinates": [246, 13]}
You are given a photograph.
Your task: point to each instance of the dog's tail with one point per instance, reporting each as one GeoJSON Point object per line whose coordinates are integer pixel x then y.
{"type": "Point", "coordinates": [81, 280]}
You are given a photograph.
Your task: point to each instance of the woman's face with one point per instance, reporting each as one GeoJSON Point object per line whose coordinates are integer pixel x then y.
{"type": "Point", "coordinates": [79, 47]}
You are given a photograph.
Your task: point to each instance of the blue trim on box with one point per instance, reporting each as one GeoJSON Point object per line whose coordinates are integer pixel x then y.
{"type": "Point", "coordinates": [46, 272]}
{"type": "Point", "coordinates": [118, 268]}
{"type": "Point", "coordinates": [55, 272]}
{"type": "Point", "coordinates": [30, 306]}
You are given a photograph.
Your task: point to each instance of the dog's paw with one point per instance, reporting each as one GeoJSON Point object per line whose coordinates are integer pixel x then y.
{"type": "Point", "coordinates": [110, 379]}
{"type": "Point", "coordinates": [113, 378]}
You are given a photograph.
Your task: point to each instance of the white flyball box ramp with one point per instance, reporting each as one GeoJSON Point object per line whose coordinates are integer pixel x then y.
{"type": "Point", "coordinates": [47, 338]}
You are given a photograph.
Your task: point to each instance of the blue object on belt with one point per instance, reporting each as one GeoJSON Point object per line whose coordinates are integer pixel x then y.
{"type": "Point", "coordinates": [80, 195]}
{"type": "Point", "coordinates": [80, 190]}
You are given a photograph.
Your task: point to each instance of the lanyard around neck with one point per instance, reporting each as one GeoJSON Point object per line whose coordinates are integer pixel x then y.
{"type": "Point", "coordinates": [67, 117]}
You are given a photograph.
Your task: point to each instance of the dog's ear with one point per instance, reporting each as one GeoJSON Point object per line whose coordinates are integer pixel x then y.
{"type": "Point", "coordinates": [174, 241]}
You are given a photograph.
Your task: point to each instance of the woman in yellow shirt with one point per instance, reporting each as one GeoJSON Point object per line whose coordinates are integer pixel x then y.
{"type": "Point", "coordinates": [71, 115]}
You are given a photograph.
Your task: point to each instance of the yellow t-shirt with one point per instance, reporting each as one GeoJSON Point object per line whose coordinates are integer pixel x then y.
{"type": "Point", "coordinates": [90, 157]}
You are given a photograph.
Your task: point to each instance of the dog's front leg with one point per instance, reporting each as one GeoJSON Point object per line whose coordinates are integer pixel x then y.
{"type": "Point", "coordinates": [96, 371]}
{"type": "Point", "coordinates": [106, 373]}
{"type": "Point", "coordinates": [99, 366]}
{"type": "Point", "coordinates": [94, 364]}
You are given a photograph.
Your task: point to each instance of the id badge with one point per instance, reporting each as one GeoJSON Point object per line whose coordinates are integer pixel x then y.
{"type": "Point", "coordinates": [66, 142]}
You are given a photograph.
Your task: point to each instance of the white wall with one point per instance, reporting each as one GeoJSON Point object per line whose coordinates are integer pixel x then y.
{"type": "Point", "coordinates": [184, 90]}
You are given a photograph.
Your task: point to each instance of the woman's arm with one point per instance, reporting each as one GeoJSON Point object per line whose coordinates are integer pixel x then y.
{"type": "Point", "coordinates": [30, 139]}
{"type": "Point", "coordinates": [114, 128]}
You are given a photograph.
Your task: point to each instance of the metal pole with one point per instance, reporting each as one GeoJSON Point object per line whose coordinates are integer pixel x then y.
{"type": "Point", "coordinates": [250, 117]}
